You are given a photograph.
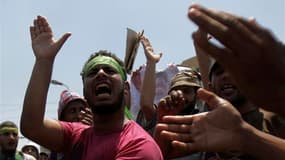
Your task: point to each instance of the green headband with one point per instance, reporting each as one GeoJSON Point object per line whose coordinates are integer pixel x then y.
{"type": "Point", "coordinates": [103, 60]}
{"type": "Point", "coordinates": [8, 129]}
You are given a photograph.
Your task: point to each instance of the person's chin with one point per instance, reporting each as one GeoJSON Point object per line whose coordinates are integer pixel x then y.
{"type": "Point", "coordinates": [103, 103]}
{"type": "Point", "coordinates": [106, 110]}
{"type": "Point", "coordinates": [229, 97]}
{"type": "Point", "coordinates": [11, 149]}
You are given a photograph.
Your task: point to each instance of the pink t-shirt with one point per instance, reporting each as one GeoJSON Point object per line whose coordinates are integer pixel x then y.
{"type": "Point", "coordinates": [132, 143]}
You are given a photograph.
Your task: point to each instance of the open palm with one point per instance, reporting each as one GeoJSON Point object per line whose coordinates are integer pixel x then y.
{"type": "Point", "coordinates": [43, 42]}
{"type": "Point", "coordinates": [149, 53]}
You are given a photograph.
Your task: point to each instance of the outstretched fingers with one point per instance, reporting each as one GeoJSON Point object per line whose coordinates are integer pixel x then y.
{"type": "Point", "coordinates": [45, 27]}
{"type": "Point", "coordinates": [145, 41]}
{"type": "Point", "coordinates": [229, 29]}
{"type": "Point", "coordinates": [33, 32]}
{"type": "Point", "coordinates": [175, 134]}
{"type": "Point", "coordinates": [35, 29]}
{"type": "Point", "coordinates": [40, 25]}
{"type": "Point", "coordinates": [184, 147]}
{"type": "Point", "coordinates": [202, 43]}
{"type": "Point", "coordinates": [184, 128]}
{"type": "Point", "coordinates": [210, 98]}
{"type": "Point", "coordinates": [146, 44]}
{"type": "Point", "coordinates": [211, 25]}
{"type": "Point", "coordinates": [148, 49]}
{"type": "Point", "coordinates": [187, 119]}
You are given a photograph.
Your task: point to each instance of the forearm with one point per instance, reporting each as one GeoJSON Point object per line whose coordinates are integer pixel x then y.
{"type": "Point", "coordinates": [148, 91]}
{"type": "Point", "coordinates": [35, 97]}
{"type": "Point", "coordinates": [262, 145]}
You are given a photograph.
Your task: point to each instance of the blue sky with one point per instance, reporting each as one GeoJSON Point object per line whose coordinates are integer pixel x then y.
{"type": "Point", "coordinates": [99, 25]}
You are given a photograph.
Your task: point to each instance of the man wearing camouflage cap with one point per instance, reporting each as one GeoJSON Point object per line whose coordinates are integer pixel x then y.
{"type": "Point", "coordinates": [181, 99]}
{"type": "Point", "coordinates": [182, 91]}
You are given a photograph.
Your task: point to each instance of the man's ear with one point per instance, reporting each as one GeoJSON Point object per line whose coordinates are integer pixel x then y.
{"type": "Point", "coordinates": [127, 85]}
{"type": "Point", "coordinates": [127, 94]}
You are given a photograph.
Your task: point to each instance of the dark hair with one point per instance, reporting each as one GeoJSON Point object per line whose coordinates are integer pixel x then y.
{"type": "Point", "coordinates": [104, 53]}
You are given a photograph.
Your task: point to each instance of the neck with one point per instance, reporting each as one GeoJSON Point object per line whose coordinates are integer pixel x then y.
{"type": "Point", "coordinates": [246, 107]}
{"type": "Point", "coordinates": [109, 123]}
{"type": "Point", "coordinates": [9, 153]}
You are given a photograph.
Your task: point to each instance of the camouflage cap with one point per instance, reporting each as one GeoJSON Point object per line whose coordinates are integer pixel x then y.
{"type": "Point", "coordinates": [186, 77]}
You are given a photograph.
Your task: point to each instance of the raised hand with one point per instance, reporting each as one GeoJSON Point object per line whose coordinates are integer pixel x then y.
{"type": "Point", "coordinates": [148, 85]}
{"type": "Point", "coordinates": [87, 116]}
{"type": "Point", "coordinates": [33, 124]}
{"type": "Point", "coordinates": [171, 104]}
{"type": "Point", "coordinates": [43, 43]}
{"type": "Point", "coordinates": [217, 130]}
{"type": "Point", "coordinates": [252, 55]}
{"type": "Point", "coordinates": [148, 50]}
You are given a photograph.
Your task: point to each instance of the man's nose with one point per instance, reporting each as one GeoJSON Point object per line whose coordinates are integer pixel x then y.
{"type": "Point", "coordinates": [12, 136]}
{"type": "Point", "coordinates": [226, 74]}
{"type": "Point", "coordinates": [79, 115]}
{"type": "Point", "coordinates": [101, 72]}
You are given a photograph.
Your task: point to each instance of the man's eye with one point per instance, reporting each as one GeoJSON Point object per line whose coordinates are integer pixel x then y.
{"type": "Point", "coordinates": [110, 70]}
{"type": "Point", "coordinates": [93, 72]}
{"type": "Point", "coordinates": [6, 134]}
{"type": "Point", "coordinates": [72, 110]}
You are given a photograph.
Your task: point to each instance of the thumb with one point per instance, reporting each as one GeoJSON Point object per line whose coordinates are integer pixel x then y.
{"type": "Point", "coordinates": [62, 40]}
{"type": "Point", "coordinates": [158, 57]}
{"type": "Point", "coordinates": [210, 98]}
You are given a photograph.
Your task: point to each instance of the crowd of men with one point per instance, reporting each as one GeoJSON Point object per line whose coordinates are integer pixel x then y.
{"type": "Point", "coordinates": [242, 100]}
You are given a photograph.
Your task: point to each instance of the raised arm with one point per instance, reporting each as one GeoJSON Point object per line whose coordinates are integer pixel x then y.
{"type": "Point", "coordinates": [148, 85]}
{"type": "Point", "coordinates": [33, 124]}
{"type": "Point", "coordinates": [252, 55]}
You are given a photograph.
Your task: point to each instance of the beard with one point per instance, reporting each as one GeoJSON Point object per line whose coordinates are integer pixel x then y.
{"type": "Point", "coordinates": [108, 108]}
{"type": "Point", "coordinates": [238, 101]}
{"type": "Point", "coordinates": [9, 152]}
{"type": "Point", "coordinates": [188, 109]}
{"type": "Point", "coordinates": [237, 98]}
